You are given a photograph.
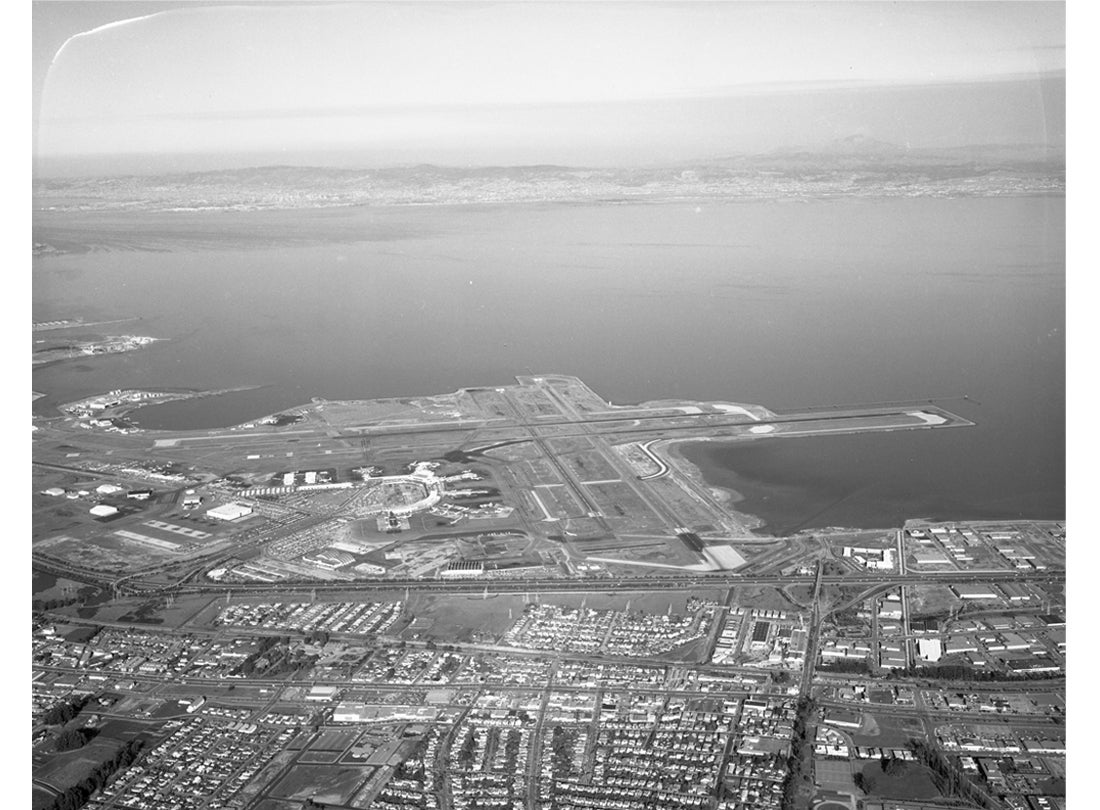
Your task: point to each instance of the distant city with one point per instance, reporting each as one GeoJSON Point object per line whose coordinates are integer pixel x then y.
{"type": "Point", "coordinates": [851, 167]}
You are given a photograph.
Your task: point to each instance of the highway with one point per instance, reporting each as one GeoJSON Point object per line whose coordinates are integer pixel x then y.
{"type": "Point", "coordinates": [813, 633]}
{"type": "Point", "coordinates": [133, 583]}
{"type": "Point", "coordinates": [639, 583]}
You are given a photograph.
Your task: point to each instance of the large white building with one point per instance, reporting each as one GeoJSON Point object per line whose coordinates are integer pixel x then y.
{"type": "Point", "coordinates": [930, 649]}
{"type": "Point", "coordinates": [229, 511]}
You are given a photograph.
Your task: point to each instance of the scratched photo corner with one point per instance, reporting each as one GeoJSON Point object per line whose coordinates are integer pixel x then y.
{"type": "Point", "coordinates": [548, 405]}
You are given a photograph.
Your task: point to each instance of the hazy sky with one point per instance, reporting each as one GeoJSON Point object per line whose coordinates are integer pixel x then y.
{"type": "Point", "coordinates": [596, 83]}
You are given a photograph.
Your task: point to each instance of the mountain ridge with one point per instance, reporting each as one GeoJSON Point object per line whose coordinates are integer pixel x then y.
{"type": "Point", "coordinates": [850, 166]}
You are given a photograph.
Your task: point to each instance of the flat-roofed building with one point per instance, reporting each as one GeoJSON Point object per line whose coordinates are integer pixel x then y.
{"type": "Point", "coordinates": [322, 693]}
{"type": "Point", "coordinates": [461, 569]}
{"type": "Point", "coordinates": [930, 649]}
{"type": "Point", "coordinates": [229, 511]}
{"type": "Point", "coordinates": [843, 718]}
{"type": "Point", "coordinates": [1015, 591]}
{"type": "Point", "coordinates": [974, 591]}
{"type": "Point", "coordinates": [956, 646]}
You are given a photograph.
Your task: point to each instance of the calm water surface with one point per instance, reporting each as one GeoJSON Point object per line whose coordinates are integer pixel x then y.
{"type": "Point", "coordinates": [788, 305]}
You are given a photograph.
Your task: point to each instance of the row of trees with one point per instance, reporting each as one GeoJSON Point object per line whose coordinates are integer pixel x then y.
{"type": "Point", "coordinates": [857, 665]}
{"type": "Point", "coordinates": [949, 779]}
{"type": "Point", "coordinates": [77, 796]}
{"type": "Point", "coordinates": [466, 753]}
{"type": "Point", "coordinates": [248, 665]}
{"type": "Point", "coordinates": [799, 742]}
{"type": "Point", "coordinates": [561, 747]}
{"type": "Point", "coordinates": [73, 738]}
{"type": "Point", "coordinates": [890, 766]}
{"type": "Point", "coordinates": [39, 605]}
{"type": "Point", "coordinates": [65, 711]}
{"type": "Point", "coordinates": [961, 672]}
{"type": "Point", "coordinates": [413, 766]}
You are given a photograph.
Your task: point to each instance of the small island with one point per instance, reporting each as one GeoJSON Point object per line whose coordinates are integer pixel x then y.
{"type": "Point", "coordinates": [54, 351]}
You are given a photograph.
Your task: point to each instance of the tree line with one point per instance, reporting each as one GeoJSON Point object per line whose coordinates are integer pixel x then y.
{"type": "Point", "coordinates": [961, 672]}
{"type": "Point", "coordinates": [65, 711]}
{"type": "Point", "coordinates": [77, 796]}
{"type": "Point", "coordinates": [799, 742]}
{"type": "Point", "coordinates": [950, 780]}
{"type": "Point", "coordinates": [72, 738]}
{"type": "Point", "coordinates": [855, 665]}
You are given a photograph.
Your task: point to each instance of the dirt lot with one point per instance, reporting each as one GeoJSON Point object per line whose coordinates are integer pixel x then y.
{"type": "Point", "coordinates": [323, 783]}
{"type": "Point", "coordinates": [887, 731]}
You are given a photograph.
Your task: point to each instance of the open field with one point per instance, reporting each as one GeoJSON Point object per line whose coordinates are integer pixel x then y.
{"type": "Point", "coordinates": [652, 603]}
{"type": "Point", "coordinates": [335, 739]}
{"type": "Point", "coordinates": [466, 618]}
{"type": "Point", "coordinates": [765, 598]}
{"type": "Point", "coordinates": [900, 780]}
{"type": "Point", "coordinates": [276, 804]}
{"type": "Point", "coordinates": [324, 784]}
{"type": "Point", "coordinates": [833, 774]}
{"type": "Point", "coordinates": [65, 769]}
{"type": "Point", "coordinates": [882, 730]}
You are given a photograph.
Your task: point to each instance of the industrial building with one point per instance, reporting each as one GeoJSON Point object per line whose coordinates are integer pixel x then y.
{"type": "Point", "coordinates": [463, 569]}
{"type": "Point", "coordinates": [930, 649]}
{"type": "Point", "coordinates": [975, 591]}
{"type": "Point", "coordinates": [229, 511]}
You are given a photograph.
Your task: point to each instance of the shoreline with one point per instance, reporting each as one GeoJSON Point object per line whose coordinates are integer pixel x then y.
{"type": "Point", "coordinates": [135, 343]}
{"type": "Point", "coordinates": [728, 498]}
{"type": "Point", "coordinates": [160, 396]}
{"type": "Point", "coordinates": [53, 241]}
{"type": "Point", "coordinates": [725, 497]}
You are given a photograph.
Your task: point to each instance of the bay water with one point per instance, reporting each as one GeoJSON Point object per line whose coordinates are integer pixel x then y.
{"type": "Point", "coordinates": [790, 305]}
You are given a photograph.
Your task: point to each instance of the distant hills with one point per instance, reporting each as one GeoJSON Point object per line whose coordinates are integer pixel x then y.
{"type": "Point", "coordinates": [853, 166]}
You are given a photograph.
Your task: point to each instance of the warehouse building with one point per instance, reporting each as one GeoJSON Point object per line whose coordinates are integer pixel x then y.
{"type": "Point", "coordinates": [230, 511]}
{"type": "Point", "coordinates": [975, 592]}
{"type": "Point", "coordinates": [930, 649]}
